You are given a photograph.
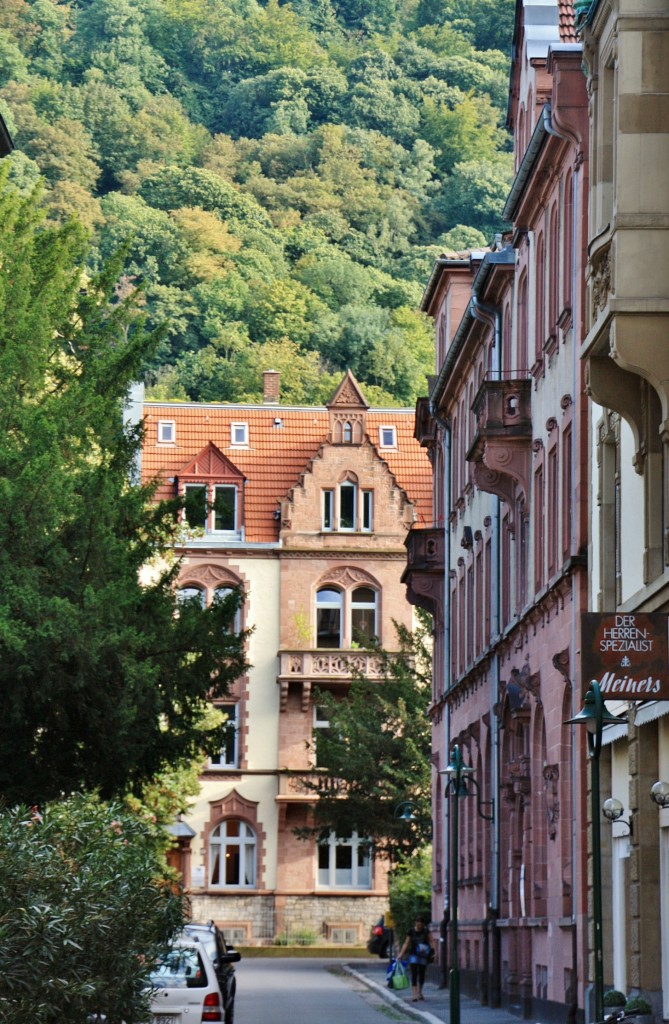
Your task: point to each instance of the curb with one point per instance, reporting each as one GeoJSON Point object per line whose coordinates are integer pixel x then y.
{"type": "Point", "coordinates": [391, 998]}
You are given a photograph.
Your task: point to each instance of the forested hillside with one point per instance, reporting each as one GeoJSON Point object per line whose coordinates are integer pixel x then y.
{"type": "Point", "coordinates": [282, 174]}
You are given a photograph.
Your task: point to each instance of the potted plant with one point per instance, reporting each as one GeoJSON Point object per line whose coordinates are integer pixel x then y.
{"type": "Point", "coordinates": [614, 1001]}
{"type": "Point", "coordinates": [640, 1009]}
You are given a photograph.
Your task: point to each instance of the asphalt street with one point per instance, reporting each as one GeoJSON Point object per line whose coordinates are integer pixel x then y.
{"type": "Point", "coordinates": [323, 991]}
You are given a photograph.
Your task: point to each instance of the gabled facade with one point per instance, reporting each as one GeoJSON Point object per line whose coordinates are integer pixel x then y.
{"type": "Point", "coordinates": [306, 510]}
{"type": "Point", "coordinates": [506, 428]}
{"type": "Point", "coordinates": [625, 352]}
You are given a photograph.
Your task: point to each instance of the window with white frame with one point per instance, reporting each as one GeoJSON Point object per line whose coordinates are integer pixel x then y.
{"type": "Point", "coordinates": [239, 433]}
{"type": "Point", "coordinates": [363, 615]}
{"type": "Point", "coordinates": [344, 862]}
{"type": "Point", "coordinates": [232, 855]}
{"type": "Point", "coordinates": [387, 437]}
{"type": "Point", "coordinates": [347, 508]}
{"type": "Point", "coordinates": [191, 593]}
{"type": "Point", "coordinates": [195, 506]}
{"type": "Point", "coordinates": [329, 607]}
{"type": "Point", "coordinates": [328, 509]}
{"type": "Point", "coordinates": [348, 502]}
{"type": "Point", "coordinates": [212, 508]}
{"type": "Point", "coordinates": [167, 431]}
{"type": "Point", "coordinates": [228, 756]}
{"type": "Point", "coordinates": [220, 594]}
{"type": "Point", "coordinates": [320, 723]}
{"type": "Point", "coordinates": [346, 618]}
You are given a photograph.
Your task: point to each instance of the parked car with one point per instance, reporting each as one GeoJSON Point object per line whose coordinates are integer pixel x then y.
{"type": "Point", "coordinates": [185, 981]}
{"type": "Point", "coordinates": [222, 957]}
{"type": "Point", "coordinates": [379, 940]}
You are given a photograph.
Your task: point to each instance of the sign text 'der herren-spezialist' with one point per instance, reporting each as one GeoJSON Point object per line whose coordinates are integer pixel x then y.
{"type": "Point", "coordinates": [627, 654]}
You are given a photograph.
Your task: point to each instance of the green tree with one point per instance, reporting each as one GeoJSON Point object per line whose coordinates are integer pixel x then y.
{"type": "Point", "coordinates": [378, 748]}
{"type": "Point", "coordinates": [96, 656]}
{"type": "Point", "coordinates": [410, 891]}
{"type": "Point", "coordinates": [84, 911]}
{"type": "Point", "coordinates": [474, 194]}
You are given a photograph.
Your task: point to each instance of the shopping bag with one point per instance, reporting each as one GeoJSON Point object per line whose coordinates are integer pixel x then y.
{"type": "Point", "coordinates": [399, 978]}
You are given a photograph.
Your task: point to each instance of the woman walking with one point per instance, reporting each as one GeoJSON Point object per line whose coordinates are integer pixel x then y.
{"type": "Point", "coordinates": [419, 946]}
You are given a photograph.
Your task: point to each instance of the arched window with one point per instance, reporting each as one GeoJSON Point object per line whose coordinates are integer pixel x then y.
{"type": "Point", "coordinates": [232, 855]}
{"type": "Point", "coordinates": [220, 594]}
{"type": "Point", "coordinates": [553, 272]}
{"type": "Point", "coordinates": [347, 433]}
{"type": "Point", "coordinates": [522, 326]}
{"type": "Point", "coordinates": [363, 615]}
{"type": "Point", "coordinates": [191, 593]}
{"type": "Point", "coordinates": [329, 604]}
{"type": "Point", "coordinates": [568, 220]}
{"type": "Point", "coordinates": [540, 319]}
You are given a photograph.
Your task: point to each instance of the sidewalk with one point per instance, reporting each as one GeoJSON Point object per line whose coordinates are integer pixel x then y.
{"type": "Point", "coordinates": [435, 1008]}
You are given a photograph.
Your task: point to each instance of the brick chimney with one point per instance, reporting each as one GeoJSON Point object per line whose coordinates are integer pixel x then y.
{"type": "Point", "coordinates": [270, 386]}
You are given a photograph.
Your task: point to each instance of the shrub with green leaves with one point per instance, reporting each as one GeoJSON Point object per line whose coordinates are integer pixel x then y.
{"type": "Point", "coordinates": [84, 910]}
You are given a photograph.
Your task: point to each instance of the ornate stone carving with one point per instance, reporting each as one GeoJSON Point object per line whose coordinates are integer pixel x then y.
{"type": "Point", "coordinates": [551, 774]}
{"type": "Point", "coordinates": [600, 282]}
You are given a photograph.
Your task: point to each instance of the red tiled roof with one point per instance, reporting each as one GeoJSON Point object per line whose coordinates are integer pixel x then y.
{"type": "Point", "coordinates": [567, 22]}
{"type": "Point", "coordinates": [276, 455]}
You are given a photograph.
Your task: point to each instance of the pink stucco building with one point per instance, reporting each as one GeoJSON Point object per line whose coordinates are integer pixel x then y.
{"type": "Point", "coordinates": [503, 566]}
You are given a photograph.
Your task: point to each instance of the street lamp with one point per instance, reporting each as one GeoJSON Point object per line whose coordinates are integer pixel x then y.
{"type": "Point", "coordinates": [594, 716]}
{"type": "Point", "coordinates": [458, 774]}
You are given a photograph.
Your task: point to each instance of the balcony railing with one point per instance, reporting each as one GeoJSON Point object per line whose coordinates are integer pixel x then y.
{"type": "Point", "coordinates": [305, 786]}
{"type": "Point", "coordinates": [318, 665]}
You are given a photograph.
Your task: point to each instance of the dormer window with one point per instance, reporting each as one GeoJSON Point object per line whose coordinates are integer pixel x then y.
{"type": "Point", "coordinates": [213, 491]}
{"type": "Point", "coordinates": [212, 508]}
{"type": "Point", "coordinates": [167, 432]}
{"type": "Point", "coordinates": [239, 434]}
{"type": "Point", "coordinates": [347, 433]}
{"type": "Point", "coordinates": [387, 437]}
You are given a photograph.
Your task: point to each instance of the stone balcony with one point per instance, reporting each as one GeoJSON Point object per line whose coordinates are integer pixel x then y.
{"type": "Point", "coordinates": [424, 574]}
{"type": "Point", "coordinates": [308, 668]}
{"type": "Point", "coordinates": [501, 449]}
{"type": "Point", "coordinates": [305, 786]}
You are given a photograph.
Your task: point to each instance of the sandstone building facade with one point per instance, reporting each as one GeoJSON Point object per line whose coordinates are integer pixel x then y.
{"type": "Point", "coordinates": [306, 511]}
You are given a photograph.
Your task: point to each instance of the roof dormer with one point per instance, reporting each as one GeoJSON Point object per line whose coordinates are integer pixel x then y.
{"type": "Point", "coordinates": [347, 411]}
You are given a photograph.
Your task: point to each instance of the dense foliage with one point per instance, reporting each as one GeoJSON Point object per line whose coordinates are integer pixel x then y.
{"type": "Point", "coordinates": [410, 892]}
{"type": "Point", "coordinates": [83, 913]}
{"type": "Point", "coordinates": [377, 747]}
{"type": "Point", "coordinates": [285, 172]}
{"type": "Point", "coordinates": [102, 682]}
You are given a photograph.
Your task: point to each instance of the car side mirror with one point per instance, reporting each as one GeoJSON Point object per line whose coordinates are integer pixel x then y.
{"type": "Point", "coordinates": [231, 957]}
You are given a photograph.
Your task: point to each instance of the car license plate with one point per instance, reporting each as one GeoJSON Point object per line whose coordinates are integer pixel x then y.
{"type": "Point", "coordinates": [164, 1018]}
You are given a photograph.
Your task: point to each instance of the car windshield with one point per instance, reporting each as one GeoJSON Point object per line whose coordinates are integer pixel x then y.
{"type": "Point", "coordinates": [180, 968]}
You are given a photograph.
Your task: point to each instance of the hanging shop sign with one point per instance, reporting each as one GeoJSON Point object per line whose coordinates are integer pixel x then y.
{"type": "Point", "coordinates": [627, 654]}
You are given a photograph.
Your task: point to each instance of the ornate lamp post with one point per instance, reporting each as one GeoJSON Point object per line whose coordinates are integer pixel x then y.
{"type": "Point", "coordinates": [594, 716]}
{"type": "Point", "coordinates": [458, 774]}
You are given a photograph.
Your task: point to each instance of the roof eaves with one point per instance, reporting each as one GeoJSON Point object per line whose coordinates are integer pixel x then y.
{"type": "Point", "coordinates": [504, 257]}
{"type": "Point", "coordinates": [541, 132]}
{"type": "Point", "coordinates": [440, 264]}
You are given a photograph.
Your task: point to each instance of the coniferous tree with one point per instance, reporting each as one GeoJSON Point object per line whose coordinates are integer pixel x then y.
{"type": "Point", "coordinates": [376, 751]}
{"type": "Point", "coordinates": [103, 678]}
